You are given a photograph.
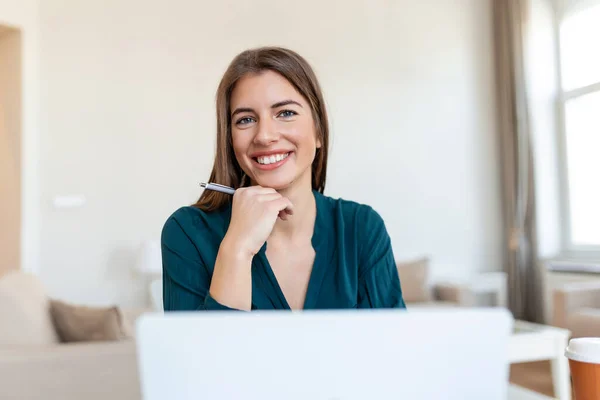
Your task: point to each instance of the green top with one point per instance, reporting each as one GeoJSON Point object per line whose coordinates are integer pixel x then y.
{"type": "Point", "coordinates": [354, 265]}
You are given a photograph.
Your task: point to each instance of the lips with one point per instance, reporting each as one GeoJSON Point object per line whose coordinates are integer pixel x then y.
{"type": "Point", "coordinates": [271, 160]}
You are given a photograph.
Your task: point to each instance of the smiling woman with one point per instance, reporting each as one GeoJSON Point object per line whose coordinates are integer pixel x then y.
{"type": "Point", "coordinates": [261, 88]}
{"type": "Point", "coordinates": [279, 242]}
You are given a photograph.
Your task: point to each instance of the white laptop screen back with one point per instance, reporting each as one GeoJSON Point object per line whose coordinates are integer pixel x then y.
{"type": "Point", "coordinates": [344, 355]}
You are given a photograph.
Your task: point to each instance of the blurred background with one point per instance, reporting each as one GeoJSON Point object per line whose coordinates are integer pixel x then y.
{"type": "Point", "coordinates": [119, 117]}
{"type": "Point", "coordinates": [471, 126]}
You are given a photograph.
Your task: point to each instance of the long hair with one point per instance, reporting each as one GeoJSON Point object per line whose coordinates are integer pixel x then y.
{"type": "Point", "coordinates": [226, 170]}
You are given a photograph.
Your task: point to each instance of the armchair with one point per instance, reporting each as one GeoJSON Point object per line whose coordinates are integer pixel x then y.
{"type": "Point", "coordinates": [577, 308]}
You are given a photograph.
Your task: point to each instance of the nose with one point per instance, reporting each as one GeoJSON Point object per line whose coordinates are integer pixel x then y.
{"type": "Point", "coordinates": [266, 132]}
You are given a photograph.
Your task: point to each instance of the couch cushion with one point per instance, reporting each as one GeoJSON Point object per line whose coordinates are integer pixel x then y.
{"type": "Point", "coordinates": [76, 323]}
{"type": "Point", "coordinates": [74, 371]}
{"type": "Point", "coordinates": [24, 315]}
{"type": "Point", "coordinates": [414, 279]}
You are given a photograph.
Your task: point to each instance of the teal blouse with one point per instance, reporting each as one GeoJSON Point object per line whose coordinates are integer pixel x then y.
{"type": "Point", "coordinates": [354, 265]}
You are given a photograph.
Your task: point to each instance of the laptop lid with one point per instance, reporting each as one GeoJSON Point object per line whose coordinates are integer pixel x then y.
{"type": "Point", "coordinates": [331, 355]}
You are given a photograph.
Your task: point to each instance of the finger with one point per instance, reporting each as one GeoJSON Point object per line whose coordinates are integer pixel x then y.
{"type": "Point", "coordinates": [254, 192]}
{"type": "Point", "coordinates": [246, 192]}
{"type": "Point", "coordinates": [283, 215]}
{"type": "Point", "coordinates": [290, 207]}
{"type": "Point", "coordinates": [283, 204]}
{"type": "Point", "coordinates": [268, 197]}
{"type": "Point", "coordinates": [259, 190]}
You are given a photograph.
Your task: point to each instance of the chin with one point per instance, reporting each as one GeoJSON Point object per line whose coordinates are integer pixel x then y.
{"type": "Point", "coordinates": [274, 181]}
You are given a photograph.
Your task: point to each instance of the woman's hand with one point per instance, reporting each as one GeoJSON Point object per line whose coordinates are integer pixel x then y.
{"type": "Point", "coordinates": [254, 212]}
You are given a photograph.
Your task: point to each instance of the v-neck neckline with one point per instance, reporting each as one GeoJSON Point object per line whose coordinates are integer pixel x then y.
{"type": "Point", "coordinates": [318, 268]}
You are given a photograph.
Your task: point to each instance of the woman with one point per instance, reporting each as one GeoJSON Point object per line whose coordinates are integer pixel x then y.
{"type": "Point", "coordinates": [278, 243]}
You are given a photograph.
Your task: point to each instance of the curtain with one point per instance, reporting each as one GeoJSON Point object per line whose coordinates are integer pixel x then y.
{"type": "Point", "coordinates": [525, 276]}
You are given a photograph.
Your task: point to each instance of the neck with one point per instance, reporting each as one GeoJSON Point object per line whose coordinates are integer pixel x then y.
{"type": "Point", "coordinates": [300, 225]}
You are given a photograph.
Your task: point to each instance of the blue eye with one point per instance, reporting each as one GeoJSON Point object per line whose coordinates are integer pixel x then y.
{"type": "Point", "coordinates": [244, 121]}
{"type": "Point", "coordinates": [287, 113]}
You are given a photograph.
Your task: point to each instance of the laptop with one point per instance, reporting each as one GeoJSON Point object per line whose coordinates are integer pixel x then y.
{"type": "Point", "coordinates": [453, 354]}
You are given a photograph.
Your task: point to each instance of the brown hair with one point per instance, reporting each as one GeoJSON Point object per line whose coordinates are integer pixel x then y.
{"type": "Point", "coordinates": [226, 170]}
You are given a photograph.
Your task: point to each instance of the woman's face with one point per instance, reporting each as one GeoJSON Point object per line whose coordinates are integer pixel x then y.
{"type": "Point", "coordinates": [273, 131]}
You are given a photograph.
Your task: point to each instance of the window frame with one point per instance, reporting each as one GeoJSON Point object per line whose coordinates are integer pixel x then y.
{"type": "Point", "coordinates": [569, 249]}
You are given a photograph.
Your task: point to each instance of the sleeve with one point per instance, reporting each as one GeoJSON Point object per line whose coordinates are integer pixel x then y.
{"type": "Point", "coordinates": [379, 283]}
{"type": "Point", "coordinates": [186, 280]}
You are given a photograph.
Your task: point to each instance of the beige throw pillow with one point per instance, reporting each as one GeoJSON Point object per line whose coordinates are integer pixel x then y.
{"type": "Point", "coordinates": [75, 323]}
{"type": "Point", "coordinates": [414, 279]}
{"type": "Point", "coordinates": [24, 316]}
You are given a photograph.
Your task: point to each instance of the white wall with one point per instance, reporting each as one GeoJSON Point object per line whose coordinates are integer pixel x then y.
{"type": "Point", "coordinates": [23, 15]}
{"type": "Point", "coordinates": [10, 149]}
{"type": "Point", "coordinates": [128, 116]}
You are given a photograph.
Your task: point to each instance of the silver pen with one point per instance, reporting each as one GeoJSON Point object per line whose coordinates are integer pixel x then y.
{"type": "Point", "coordinates": [218, 188]}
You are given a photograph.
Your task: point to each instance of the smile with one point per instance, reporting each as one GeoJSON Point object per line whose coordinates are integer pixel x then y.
{"type": "Point", "coordinates": [272, 159]}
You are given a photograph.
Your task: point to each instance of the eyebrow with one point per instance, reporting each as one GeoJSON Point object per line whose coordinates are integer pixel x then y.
{"type": "Point", "coordinates": [276, 105]}
{"type": "Point", "coordinates": [285, 103]}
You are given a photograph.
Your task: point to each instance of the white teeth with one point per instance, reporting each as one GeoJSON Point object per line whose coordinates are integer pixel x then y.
{"type": "Point", "coordinates": [266, 160]}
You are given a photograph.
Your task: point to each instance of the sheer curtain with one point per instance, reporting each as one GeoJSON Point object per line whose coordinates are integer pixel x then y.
{"type": "Point", "coordinates": [525, 277]}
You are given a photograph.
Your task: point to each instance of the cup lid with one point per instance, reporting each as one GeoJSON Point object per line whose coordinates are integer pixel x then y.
{"type": "Point", "coordinates": [585, 349]}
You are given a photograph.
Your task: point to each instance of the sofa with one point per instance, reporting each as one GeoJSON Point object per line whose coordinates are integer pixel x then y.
{"type": "Point", "coordinates": [421, 291]}
{"type": "Point", "coordinates": [576, 307]}
{"type": "Point", "coordinates": [37, 363]}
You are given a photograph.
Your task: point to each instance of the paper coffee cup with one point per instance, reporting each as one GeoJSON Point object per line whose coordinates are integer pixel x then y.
{"type": "Point", "coordinates": [584, 362]}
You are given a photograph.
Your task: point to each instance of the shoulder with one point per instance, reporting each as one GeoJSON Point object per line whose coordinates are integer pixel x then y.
{"type": "Point", "coordinates": [352, 213]}
{"type": "Point", "coordinates": [358, 225]}
{"type": "Point", "coordinates": [194, 222]}
{"type": "Point", "coordinates": [184, 216]}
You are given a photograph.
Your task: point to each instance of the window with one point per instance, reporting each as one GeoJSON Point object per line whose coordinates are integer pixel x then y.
{"type": "Point", "coordinates": [579, 37]}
